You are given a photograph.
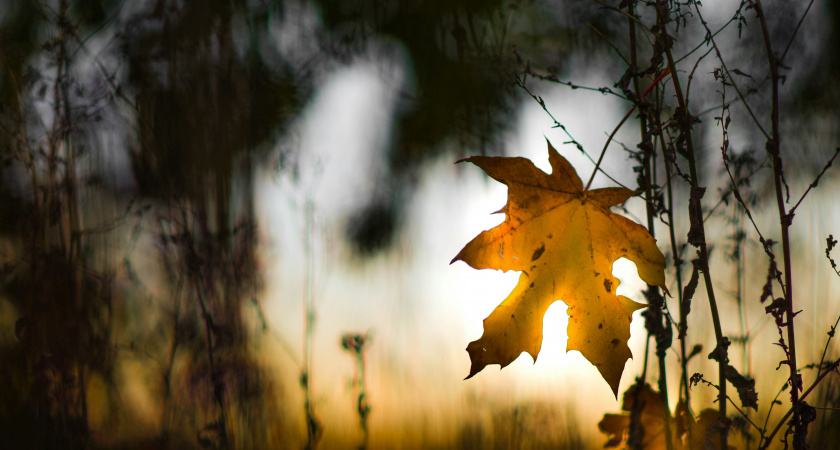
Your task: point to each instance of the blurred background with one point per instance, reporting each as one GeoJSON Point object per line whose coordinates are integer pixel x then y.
{"type": "Point", "coordinates": [228, 223]}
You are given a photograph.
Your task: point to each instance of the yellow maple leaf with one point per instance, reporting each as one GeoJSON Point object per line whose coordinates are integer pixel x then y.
{"type": "Point", "coordinates": [564, 240]}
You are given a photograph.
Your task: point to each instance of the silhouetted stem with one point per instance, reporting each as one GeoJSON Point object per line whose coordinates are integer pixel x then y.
{"type": "Point", "coordinates": [684, 120]}
{"type": "Point", "coordinates": [774, 148]}
{"type": "Point", "coordinates": [647, 158]}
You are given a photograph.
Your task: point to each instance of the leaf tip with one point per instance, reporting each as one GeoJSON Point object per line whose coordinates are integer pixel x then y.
{"type": "Point", "coordinates": [548, 142]}
{"type": "Point", "coordinates": [460, 257]}
{"type": "Point", "coordinates": [474, 370]}
{"type": "Point", "coordinates": [551, 149]}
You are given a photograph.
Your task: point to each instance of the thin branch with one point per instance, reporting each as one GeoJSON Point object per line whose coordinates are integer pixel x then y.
{"type": "Point", "coordinates": [731, 80]}
{"type": "Point", "coordinates": [816, 181]}
{"type": "Point", "coordinates": [704, 42]}
{"type": "Point", "coordinates": [744, 415]}
{"type": "Point", "coordinates": [770, 410]}
{"type": "Point", "coordinates": [629, 16]}
{"type": "Point", "coordinates": [728, 398]}
{"type": "Point", "coordinates": [691, 75]}
{"type": "Point", "coordinates": [796, 30]}
{"type": "Point", "coordinates": [557, 124]}
{"type": "Point", "coordinates": [553, 78]}
{"type": "Point", "coordinates": [607, 144]}
{"type": "Point", "coordinates": [617, 51]}
{"type": "Point", "coordinates": [827, 342]}
{"type": "Point", "coordinates": [624, 119]}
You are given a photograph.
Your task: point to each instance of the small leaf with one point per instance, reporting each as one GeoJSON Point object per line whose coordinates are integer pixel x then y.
{"type": "Point", "coordinates": [688, 293]}
{"type": "Point", "coordinates": [739, 72]}
{"type": "Point", "coordinates": [694, 351]}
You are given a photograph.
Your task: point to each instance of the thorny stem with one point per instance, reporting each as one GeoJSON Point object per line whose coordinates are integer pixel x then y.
{"type": "Point", "coordinates": [553, 78]}
{"type": "Point", "coordinates": [684, 119]}
{"type": "Point", "coordinates": [647, 145]}
{"type": "Point", "coordinates": [773, 147]}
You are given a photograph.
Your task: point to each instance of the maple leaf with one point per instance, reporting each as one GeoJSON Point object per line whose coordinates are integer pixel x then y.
{"type": "Point", "coordinates": [564, 240]}
{"type": "Point", "coordinates": [687, 432]}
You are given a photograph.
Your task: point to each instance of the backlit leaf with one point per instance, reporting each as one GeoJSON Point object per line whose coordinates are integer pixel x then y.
{"type": "Point", "coordinates": [564, 240]}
